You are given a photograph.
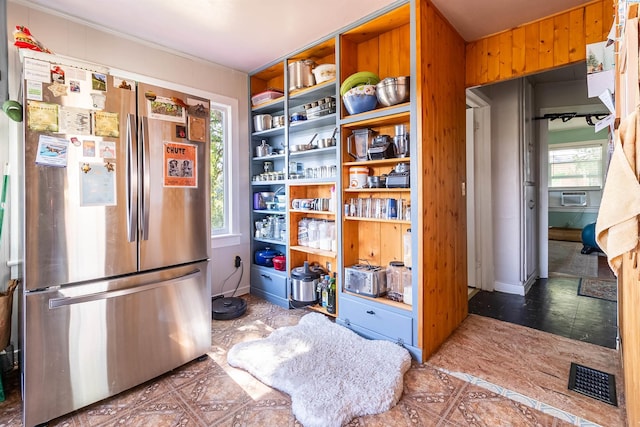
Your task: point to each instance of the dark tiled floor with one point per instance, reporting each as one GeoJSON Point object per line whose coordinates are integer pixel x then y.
{"type": "Point", "coordinates": [553, 305]}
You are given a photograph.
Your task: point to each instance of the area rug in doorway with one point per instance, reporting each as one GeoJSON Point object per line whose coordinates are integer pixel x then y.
{"type": "Point", "coordinates": [598, 288]}
{"type": "Point", "coordinates": [332, 374]}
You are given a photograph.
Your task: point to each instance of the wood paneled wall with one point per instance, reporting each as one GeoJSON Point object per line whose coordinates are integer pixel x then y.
{"type": "Point", "coordinates": [441, 165]}
{"type": "Point", "coordinates": [538, 46]}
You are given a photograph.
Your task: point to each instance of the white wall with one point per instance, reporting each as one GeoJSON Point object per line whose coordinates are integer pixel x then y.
{"type": "Point", "coordinates": [75, 39]}
{"type": "Point", "coordinates": [505, 177]}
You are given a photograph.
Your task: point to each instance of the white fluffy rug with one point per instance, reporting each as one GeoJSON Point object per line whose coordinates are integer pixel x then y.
{"type": "Point", "coordinates": [331, 373]}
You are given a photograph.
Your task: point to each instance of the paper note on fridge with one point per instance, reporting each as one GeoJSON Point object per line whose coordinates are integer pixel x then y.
{"type": "Point", "coordinates": [42, 116]}
{"type": "Point", "coordinates": [52, 151]}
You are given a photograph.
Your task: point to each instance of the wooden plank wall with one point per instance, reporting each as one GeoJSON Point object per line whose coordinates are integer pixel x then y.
{"type": "Point", "coordinates": [551, 42]}
{"type": "Point", "coordinates": [441, 165]}
{"type": "Point", "coordinates": [629, 276]}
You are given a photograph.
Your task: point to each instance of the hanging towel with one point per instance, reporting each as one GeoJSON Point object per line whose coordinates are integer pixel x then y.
{"type": "Point", "coordinates": [617, 223]}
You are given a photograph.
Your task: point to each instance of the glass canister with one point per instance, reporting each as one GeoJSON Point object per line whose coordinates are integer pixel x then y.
{"type": "Point", "coordinates": [303, 232]}
{"type": "Point", "coordinates": [406, 243]}
{"type": "Point", "coordinates": [407, 286]}
{"type": "Point", "coordinates": [314, 235]}
{"type": "Point", "coordinates": [395, 290]}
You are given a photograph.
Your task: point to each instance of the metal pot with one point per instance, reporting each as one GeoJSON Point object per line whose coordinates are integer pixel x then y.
{"type": "Point", "coordinates": [300, 74]}
{"type": "Point", "coordinates": [303, 284]}
{"type": "Point", "coordinates": [280, 262]}
{"type": "Point", "coordinates": [326, 142]}
{"type": "Point", "coordinates": [264, 257]}
{"type": "Point", "coordinates": [261, 122]}
{"type": "Point", "coordinates": [263, 149]}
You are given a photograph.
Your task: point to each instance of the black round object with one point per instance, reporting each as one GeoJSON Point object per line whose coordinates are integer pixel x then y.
{"type": "Point", "coordinates": [228, 308]}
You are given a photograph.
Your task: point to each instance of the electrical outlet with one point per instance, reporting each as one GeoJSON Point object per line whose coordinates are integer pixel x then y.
{"type": "Point", "coordinates": [237, 261]}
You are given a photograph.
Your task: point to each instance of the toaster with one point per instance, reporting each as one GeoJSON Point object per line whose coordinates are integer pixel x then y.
{"type": "Point", "coordinates": [366, 279]}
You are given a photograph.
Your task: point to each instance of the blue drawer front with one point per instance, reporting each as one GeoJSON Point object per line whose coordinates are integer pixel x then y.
{"type": "Point", "coordinates": [384, 322]}
{"type": "Point", "coordinates": [269, 281]}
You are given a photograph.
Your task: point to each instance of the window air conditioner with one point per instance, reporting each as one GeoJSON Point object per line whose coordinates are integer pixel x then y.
{"type": "Point", "coordinates": [574, 198]}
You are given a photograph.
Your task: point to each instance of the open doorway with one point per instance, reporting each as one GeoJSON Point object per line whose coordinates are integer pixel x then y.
{"type": "Point", "coordinates": [553, 302]}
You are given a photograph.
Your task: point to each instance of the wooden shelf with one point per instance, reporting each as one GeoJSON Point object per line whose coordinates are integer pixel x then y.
{"type": "Point", "coordinates": [391, 221]}
{"type": "Point", "coordinates": [380, 162]}
{"type": "Point", "coordinates": [321, 309]}
{"type": "Point", "coordinates": [312, 212]}
{"type": "Point", "coordinates": [314, 251]}
{"type": "Point", "coordinates": [383, 300]}
{"type": "Point", "coordinates": [377, 190]}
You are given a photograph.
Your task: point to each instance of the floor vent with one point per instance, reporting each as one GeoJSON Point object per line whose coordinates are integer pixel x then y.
{"type": "Point", "coordinates": [593, 383]}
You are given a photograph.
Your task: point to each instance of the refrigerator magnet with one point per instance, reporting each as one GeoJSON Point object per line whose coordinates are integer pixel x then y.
{"type": "Point", "coordinates": [108, 149]}
{"type": "Point", "coordinates": [123, 83]}
{"type": "Point", "coordinates": [106, 124]}
{"type": "Point", "coordinates": [97, 185]}
{"type": "Point", "coordinates": [180, 165]}
{"type": "Point", "coordinates": [197, 129]}
{"type": "Point", "coordinates": [98, 100]}
{"type": "Point", "coordinates": [52, 151]}
{"type": "Point", "coordinates": [57, 74]}
{"type": "Point", "coordinates": [88, 148]}
{"type": "Point", "coordinates": [99, 81]}
{"type": "Point", "coordinates": [57, 89]}
{"type": "Point", "coordinates": [166, 109]}
{"type": "Point", "coordinates": [42, 116]}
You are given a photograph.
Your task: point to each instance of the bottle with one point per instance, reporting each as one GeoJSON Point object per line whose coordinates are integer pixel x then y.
{"type": "Point", "coordinates": [325, 291]}
{"type": "Point", "coordinates": [319, 292]}
{"type": "Point", "coordinates": [331, 301]}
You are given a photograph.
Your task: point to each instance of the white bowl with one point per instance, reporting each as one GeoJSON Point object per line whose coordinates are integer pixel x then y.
{"type": "Point", "coordinates": [324, 72]}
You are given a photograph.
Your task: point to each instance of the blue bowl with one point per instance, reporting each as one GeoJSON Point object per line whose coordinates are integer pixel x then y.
{"type": "Point", "coordinates": [359, 103]}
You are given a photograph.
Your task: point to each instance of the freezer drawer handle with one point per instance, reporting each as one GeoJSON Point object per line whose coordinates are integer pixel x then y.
{"type": "Point", "coordinates": [65, 301]}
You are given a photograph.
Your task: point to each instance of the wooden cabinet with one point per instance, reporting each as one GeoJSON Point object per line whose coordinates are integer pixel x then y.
{"type": "Point", "coordinates": [409, 39]}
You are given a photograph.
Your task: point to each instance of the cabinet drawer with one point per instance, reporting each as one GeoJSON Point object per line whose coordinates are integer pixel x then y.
{"type": "Point", "coordinates": [269, 280]}
{"type": "Point", "coordinates": [385, 322]}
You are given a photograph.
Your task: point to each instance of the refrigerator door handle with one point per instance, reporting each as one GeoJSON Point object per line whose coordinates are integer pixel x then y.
{"type": "Point", "coordinates": [66, 301]}
{"type": "Point", "coordinates": [145, 182]}
{"type": "Point", "coordinates": [131, 177]}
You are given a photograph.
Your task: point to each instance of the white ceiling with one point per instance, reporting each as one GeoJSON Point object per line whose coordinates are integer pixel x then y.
{"type": "Point", "coordinates": [247, 34]}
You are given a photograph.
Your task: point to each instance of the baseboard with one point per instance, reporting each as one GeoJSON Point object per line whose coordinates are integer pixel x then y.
{"type": "Point", "coordinates": [508, 288]}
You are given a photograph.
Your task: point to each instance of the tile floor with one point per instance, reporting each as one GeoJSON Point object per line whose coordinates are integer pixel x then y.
{"type": "Point", "coordinates": [438, 393]}
{"type": "Point", "coordinates": [553, 305]}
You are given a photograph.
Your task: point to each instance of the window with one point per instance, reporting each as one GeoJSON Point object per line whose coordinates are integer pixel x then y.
{"type": "Point", "coordinates": [218, 182]}
{"type": "Point", "coordinates": [576, 165]}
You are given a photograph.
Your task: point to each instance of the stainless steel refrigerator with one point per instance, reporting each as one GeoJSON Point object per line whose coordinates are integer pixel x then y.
{"type": "Point", "coordinates": [116, 234]}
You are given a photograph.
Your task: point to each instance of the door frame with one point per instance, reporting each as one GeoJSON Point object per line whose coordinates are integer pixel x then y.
{"type": "Point", "coordinates": [479, 186]}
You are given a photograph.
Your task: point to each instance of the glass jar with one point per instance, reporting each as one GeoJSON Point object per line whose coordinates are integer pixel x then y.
{"type": "Point", "coordinates": [407, 287]}
{"type": "Point", "coordinates": [406, 243]}
{"type": "Point", "coordinates": [395, 290]}
{"type": "Point", "coordinates": [314, 238]}
{"type": "Point", "coordinates": [303, 232]}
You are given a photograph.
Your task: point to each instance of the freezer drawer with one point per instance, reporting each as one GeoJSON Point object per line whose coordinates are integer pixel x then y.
{"type": "Point", "coordinates": [88, 342]}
